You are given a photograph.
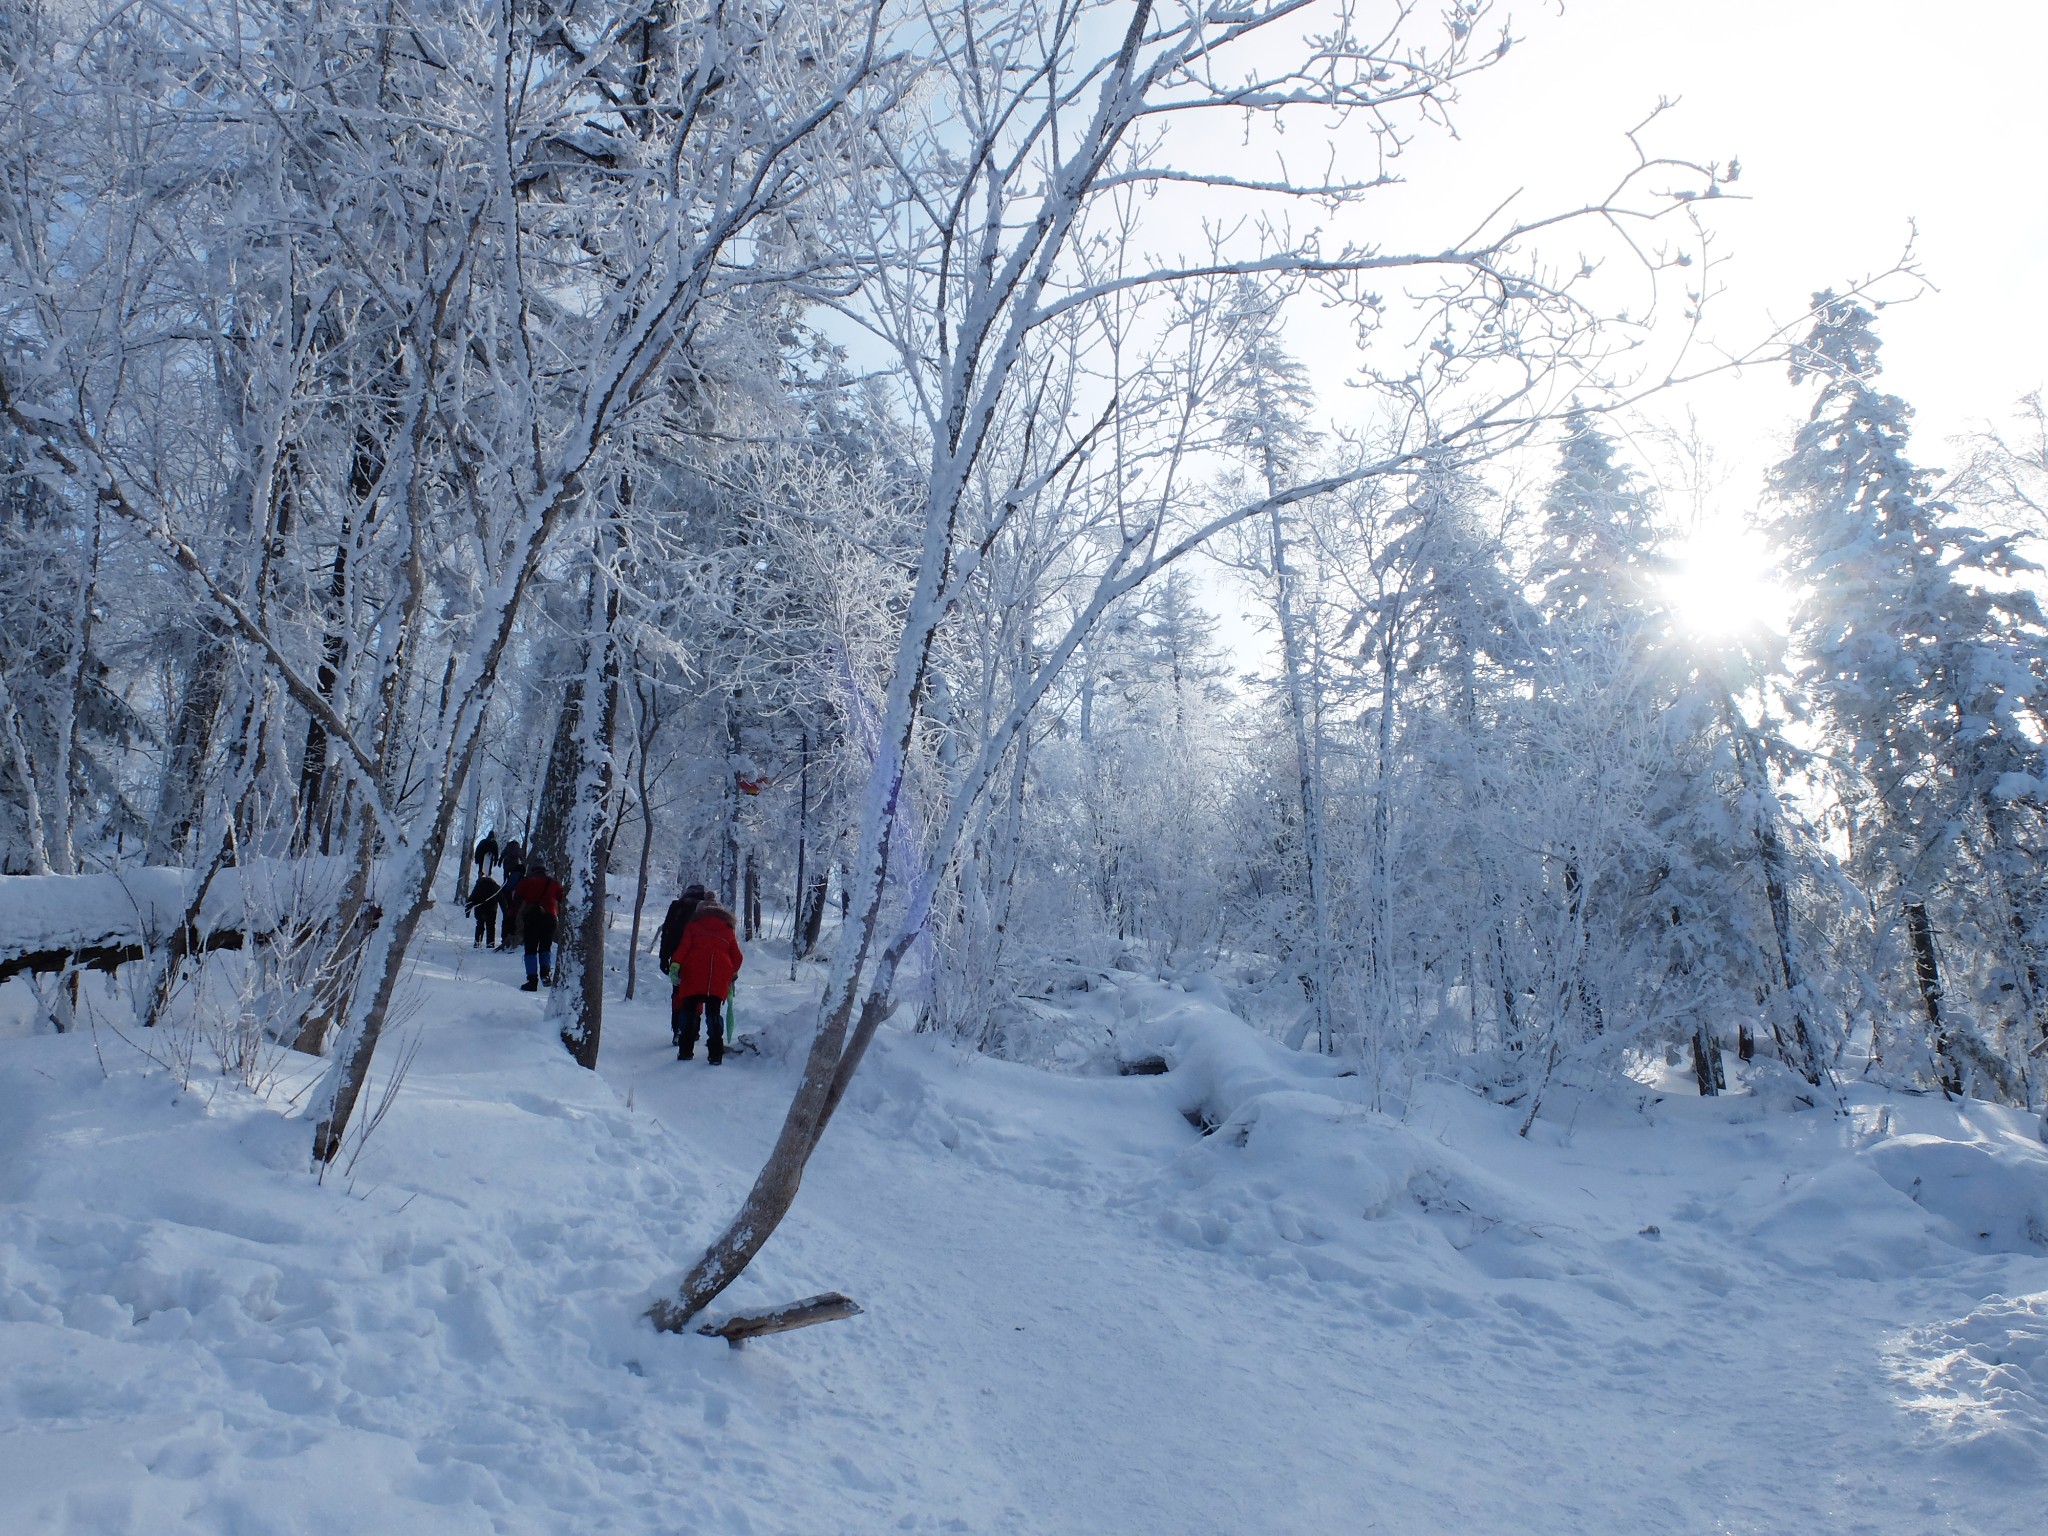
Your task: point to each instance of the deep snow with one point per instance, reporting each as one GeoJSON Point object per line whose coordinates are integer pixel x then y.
{"type": "Point", "coordinates": [1656, 1313]}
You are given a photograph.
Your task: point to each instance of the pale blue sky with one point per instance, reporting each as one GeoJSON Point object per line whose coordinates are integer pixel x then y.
{"type": "Point", "coordinates": [1853, 120]}
{"type": "Point", "coordinates": [1851, 117]}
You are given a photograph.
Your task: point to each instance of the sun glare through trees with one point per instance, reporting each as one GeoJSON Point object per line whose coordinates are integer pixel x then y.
{"type": "Point", "coordinates": [1232, 762]}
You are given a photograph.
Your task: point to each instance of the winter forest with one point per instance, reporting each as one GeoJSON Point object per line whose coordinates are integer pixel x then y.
{"type": "Point", "coordinates": [976, 487]}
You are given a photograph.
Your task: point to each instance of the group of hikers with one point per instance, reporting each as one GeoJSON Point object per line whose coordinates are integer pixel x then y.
{"type": "Point", "coordinates": [698, 946]}
{"type": "Point", "coordinates": [528, 904]}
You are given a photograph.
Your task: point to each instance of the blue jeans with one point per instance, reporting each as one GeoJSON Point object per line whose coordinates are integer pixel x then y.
{"type": "Point", "coordinates": [684, 1021]}
{"type": "Point", "coordinates": [537, 929]}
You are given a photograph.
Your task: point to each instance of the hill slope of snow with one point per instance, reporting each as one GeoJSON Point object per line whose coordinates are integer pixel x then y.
{"type": "Point", "coordinates": [1084, 1314]}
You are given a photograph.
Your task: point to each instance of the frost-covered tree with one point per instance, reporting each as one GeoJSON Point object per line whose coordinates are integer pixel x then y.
{"type": "Point", "coordinates": [1926, 659]}
{"type": "Point", "coordinates": [1440, 636]}
{"type": "Point", "coordinates": [1665, 838]}
{"type": "Point", "coordinates": [65, 723]}
{"type": "Point", "coordinates": [368, 351]}
{"type": "Point", "coordinates": [1065, 386]}
{"type": "Point", "coordinates": [1599, 567]}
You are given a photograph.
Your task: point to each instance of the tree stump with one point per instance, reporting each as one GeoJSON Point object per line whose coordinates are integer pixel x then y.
{"type": "Point", "coordinates": [742, 1326]}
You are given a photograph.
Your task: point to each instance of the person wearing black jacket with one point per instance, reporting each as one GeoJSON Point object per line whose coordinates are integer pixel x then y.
{"type": "Point", "coordinates": [487, 851]}
{"type": "Point", "coordinates": [508, 903]}
{"type": "Point", "coordinates": [483, 901]}
{"type": "Point", "coordinates": [680, 911]}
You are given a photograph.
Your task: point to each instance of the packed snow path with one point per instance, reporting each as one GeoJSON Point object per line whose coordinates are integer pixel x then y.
{"type": "Point", "coordinates": [1083, 1315]}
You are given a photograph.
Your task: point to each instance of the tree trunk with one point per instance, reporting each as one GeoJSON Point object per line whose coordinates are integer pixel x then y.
{"type": "Point", "coordinates": [803, 849]}
{"type": "Point", "coordinates": [184, 770]}
{"type": "Point", "coordinates": [334, 984]}
{"type": "Point", "coordinates": [1927, 977]}
{"type": "Point", "coordinates": [63, 855]}
{"type": "Point", "coordinates": [1706, 1062]}
{"type": "Point", "coordinates": [833, 1056]}
{"type": "Point", "coordinates": [640, 877]}
{"type": "Point", "coordinates": [25, 770]}
{"type": "Point", "coordinates": [2019, 886]}
{"type": "Point", "coordinates": [750, 901]}
{"type": "Point", "coordinates": [549, 842]}
{"type": "Point", "coordinates": [1804, 1049]}
{"type": "Point", "coordinates": [577, 1003]}
{"type": "Point", "coordinates": [1382, 951]}
{"type": "Point", "coordinates": [382, 959]}
{"type": "Point", "coordinates": [1308, 779]}
{"type": "Point", "coordinates": [333, 648]}
{"type": "Point", "coordinates": [1575, 903]}
{"type": "Point", "coordinates": [467, 839]}
{"type": "Point", "coordinates": [187, 934]}
{"type": "Point", "coordinates": [814, 915]}
{"type": "Point", "coordinates": [729, 845]}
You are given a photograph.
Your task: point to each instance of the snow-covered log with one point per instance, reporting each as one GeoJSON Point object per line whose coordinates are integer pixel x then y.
{"type": "Point", "coordinates": [49, 923]}
{"type": "Point", "coordinates": [742, 1326]}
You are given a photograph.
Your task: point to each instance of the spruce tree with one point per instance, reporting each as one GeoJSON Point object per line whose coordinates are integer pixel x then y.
{"type": "Point", "coordinates": [1664, 919]}
{"type": "Point", "coordinates": [1927, 663]}
{"type": "Point", "coordinates": [1599, 566]}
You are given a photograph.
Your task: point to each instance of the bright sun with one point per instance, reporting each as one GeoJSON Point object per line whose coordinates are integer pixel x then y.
{"type": "Point", "coordinates": [1725, 583]}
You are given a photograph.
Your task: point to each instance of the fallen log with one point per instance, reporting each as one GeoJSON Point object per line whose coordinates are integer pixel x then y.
{"type": "Point", "coordinates": [54, 923]}
{"type": "Point", "coordinates": [742, 1326]}
{"type": "Point", "coordinates": [110, 957]}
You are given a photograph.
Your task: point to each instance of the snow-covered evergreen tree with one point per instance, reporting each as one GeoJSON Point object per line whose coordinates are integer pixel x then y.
{"type": "Point", "coordinates": [1926, 659]}
{"type": "Point", "coordinates": [1662, 936]}
{"type": "Point", "coordinates": [1599, 567]}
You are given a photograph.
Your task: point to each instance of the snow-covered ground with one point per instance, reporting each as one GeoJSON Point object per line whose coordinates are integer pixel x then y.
{"type": "Point", "coordinates": [1657, 1313]}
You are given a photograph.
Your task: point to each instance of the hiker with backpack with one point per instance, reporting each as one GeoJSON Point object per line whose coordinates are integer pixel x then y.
{"type": "Point", "coordinates": [514, 862]}
{"type": "Point", "coordinates": [483, 902]}
{"type": "Point", "coordinates": [702, 967]}
{"type": "Point", "coordinates": [540, 912]}
{"type": "Point", "coordinates": [677, 918]}
{"type": "Point", "coordinates": [487, 851]}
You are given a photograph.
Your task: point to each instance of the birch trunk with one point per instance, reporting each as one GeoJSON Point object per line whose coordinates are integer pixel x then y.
{"type": "Point", "coordinates": [25, 770]}
{"type": "Point", "coordinates": [640, 875]}
{"type": "Point", "coordinates": [63, 856]}
{"type": "Point", "coordinates": [577, 1002]}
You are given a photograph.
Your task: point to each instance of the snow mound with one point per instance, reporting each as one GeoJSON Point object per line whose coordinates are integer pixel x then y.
{"type": "Point", "coordinates": [1987, 1196]}
{"type": "Point", "coordinates": [1843, 1219]}
{"type": "Point", "coordinates": [1981, 1383]}
{"type": "Point", "coordinates": [1296, 1173]}
{"type": "Point", "coordinates": [1906, 1202]}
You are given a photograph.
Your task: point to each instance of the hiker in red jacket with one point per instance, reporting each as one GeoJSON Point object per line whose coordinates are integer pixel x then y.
{"type": "Point", "coordinates": [706, 960]}
{"type": "Point", "coordinates": [540, 912]}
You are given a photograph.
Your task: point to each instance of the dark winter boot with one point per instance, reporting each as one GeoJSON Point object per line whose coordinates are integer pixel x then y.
{"type": "Point", "coordinates": [529, 985]}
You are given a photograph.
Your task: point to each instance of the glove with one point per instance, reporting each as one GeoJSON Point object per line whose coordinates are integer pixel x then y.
{"type": "Point", "coordinates": [675, 974]}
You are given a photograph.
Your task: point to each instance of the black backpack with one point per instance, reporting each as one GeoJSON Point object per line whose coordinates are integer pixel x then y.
{"type": "Point", "coordinates": [680, 911]}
